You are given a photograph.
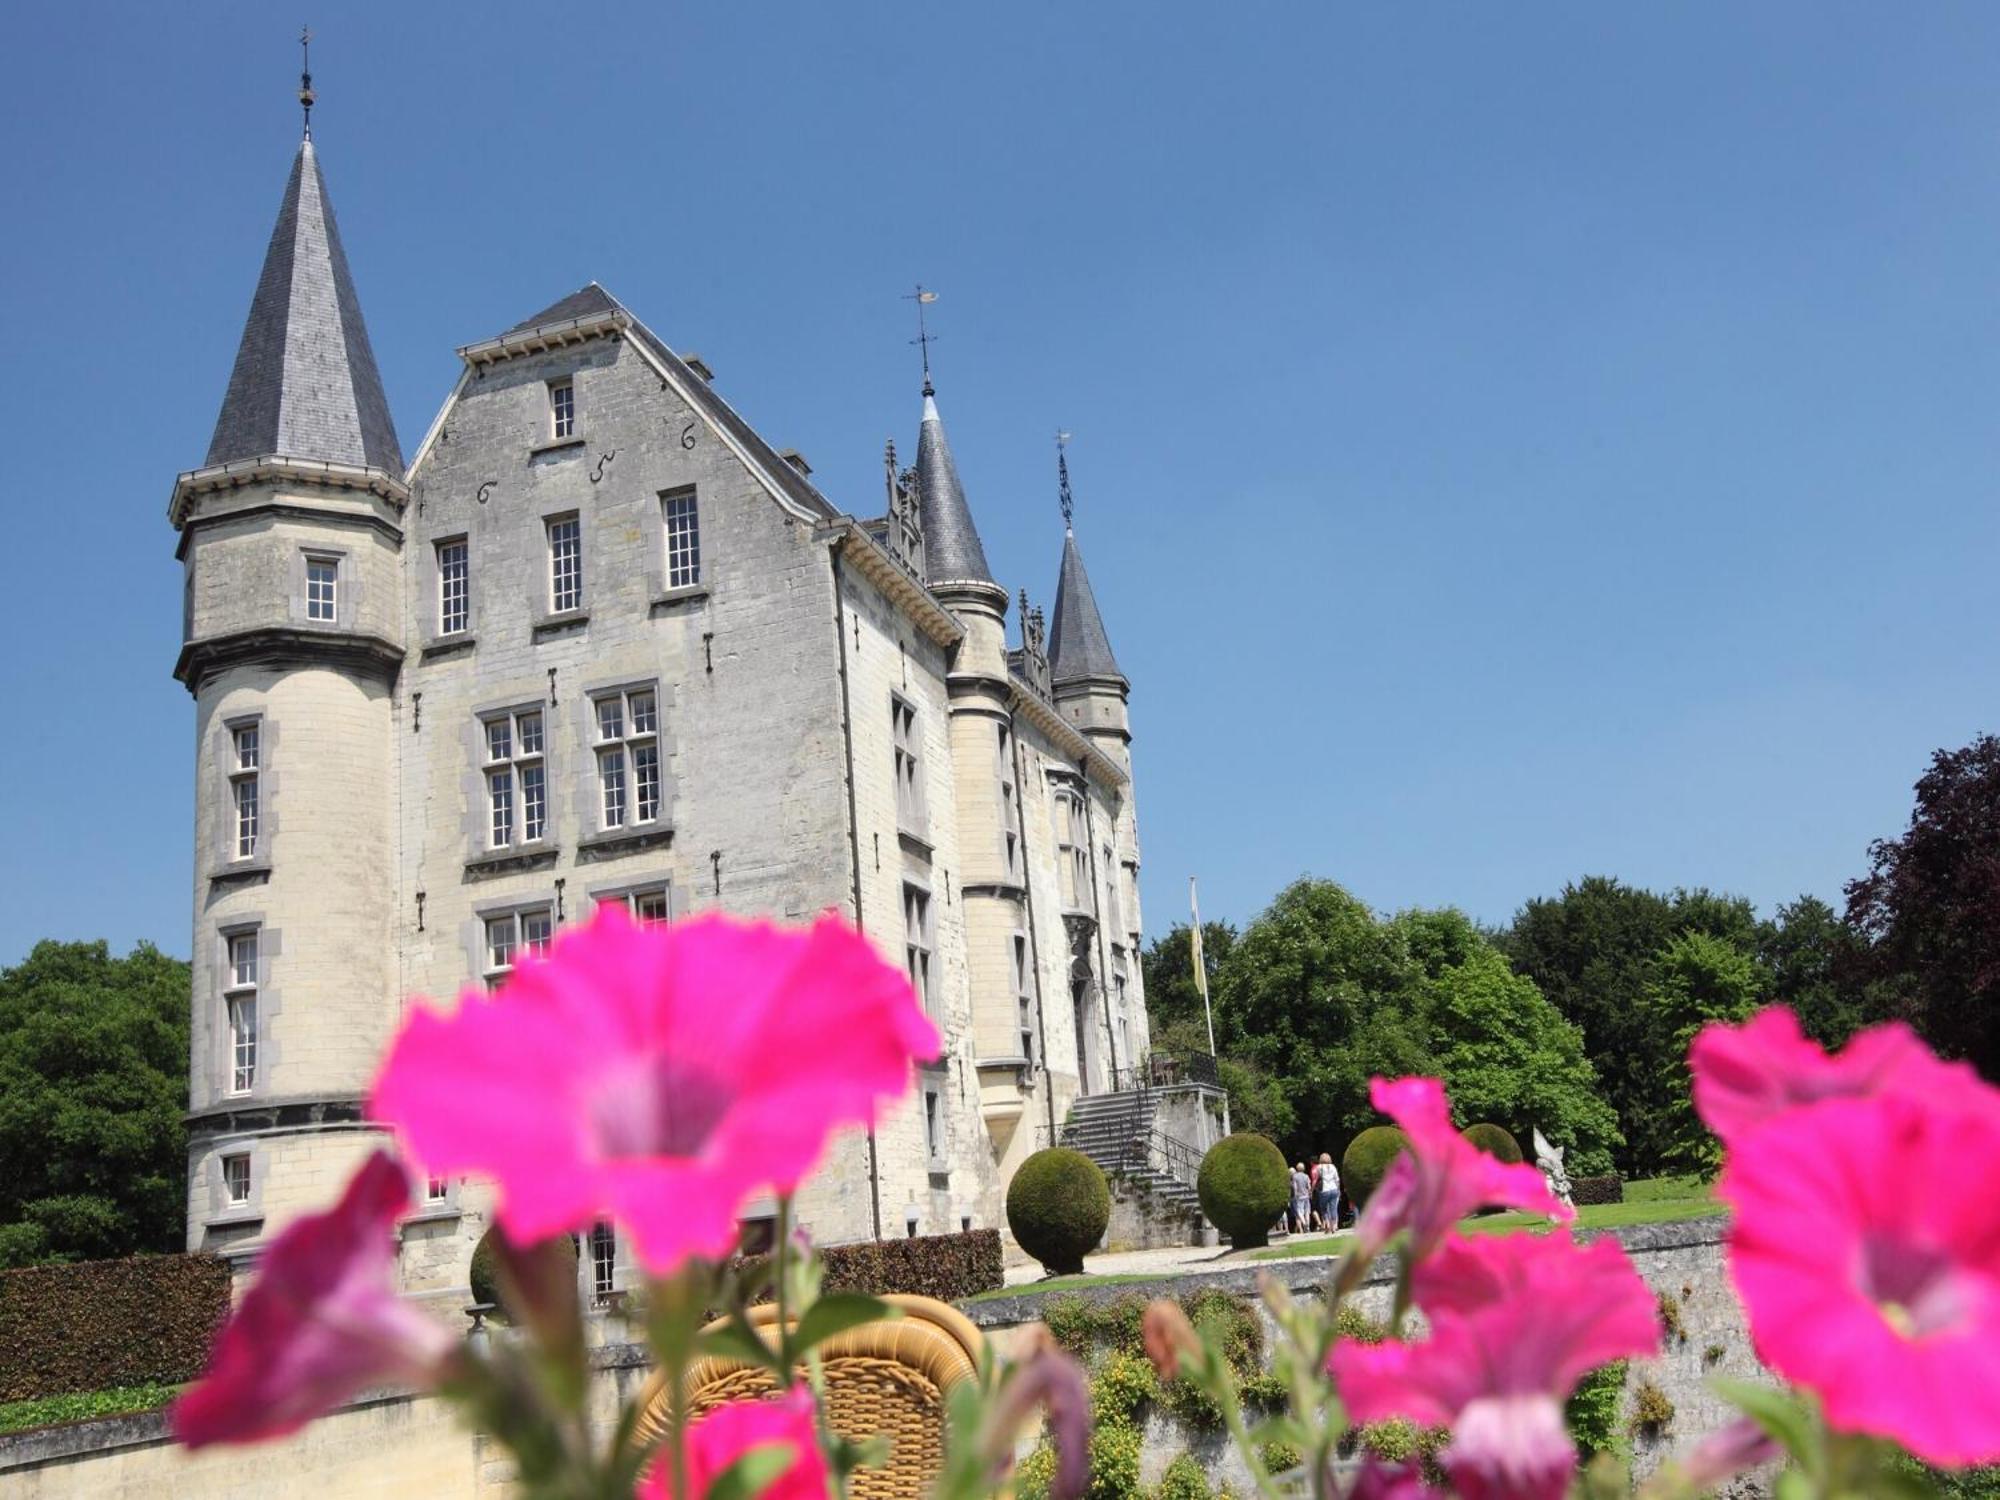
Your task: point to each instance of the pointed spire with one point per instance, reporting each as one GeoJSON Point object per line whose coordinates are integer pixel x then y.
{"type": "Point", "coordinates": [952, 553]}
{"type": "Point", "coordinates": [305, 384]}
{"type": "Point", "coordinates": [1078, 646]}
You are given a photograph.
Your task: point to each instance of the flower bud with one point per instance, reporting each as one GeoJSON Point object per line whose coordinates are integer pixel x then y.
{"type": "Point", "coordinates": [1727, 1452]}
{"type": "Point", "coordinates": [1043, 1379]}
{"type": "Point", "coordinates": [1170, 1337]}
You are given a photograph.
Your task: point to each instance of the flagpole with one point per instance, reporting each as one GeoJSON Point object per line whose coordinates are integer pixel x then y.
{"type": "Point", "coordinates": [1200, 964]}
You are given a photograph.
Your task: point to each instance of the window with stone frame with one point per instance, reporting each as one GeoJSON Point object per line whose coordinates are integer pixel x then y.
{"type": "Point", "coordinates": [236, 1179]}
{"type": "Point", "coordinates": [508, 935]}
{"type": "Point", "coordinates": [918, 942]}
{"type": "Point", "coordinates": [322, 589]}
{"type": "Point", "coordinates": [565, 564]}
{"type": "Point", "coordinates": [562, 410]}
{"type": "Point", "coordinates": [934, 1126]}
{"type": "Point", "coordinates": [1113, 924]}
{"type": "Point", "coordinates": [650, 902]}
{"type": "Point", "coordinates": [1073, 851]}
{"type": "Point", "coordinates": [437, 1191]}
{"type": "Point", "coordinates": [239, 1003]}
{"type": "Point", "coordinates": [1121, 1018]}
{"type": "Point", "coordinates": [517, 778]}
{"type": "Point", "coordinates": [246, 752]}
{"type": "Point", "coordinates": [454, 570]}
{"type": "Point", "coordinates": [627, 725]}
{"type": "Point", "coordinates": [682, 524]}
{"type": "Point", "coordinates": [1010, 811]}
{"type": "Point", "coordinates": [1024, 991]}
{"type": "Point", "coordinates": [603, 1263]}
{"type": "Point", "coordinates": [909, 766]}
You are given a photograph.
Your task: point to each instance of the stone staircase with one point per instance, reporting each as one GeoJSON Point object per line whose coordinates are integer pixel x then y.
{"type": "Point", "coordinates": [1116, 1131]}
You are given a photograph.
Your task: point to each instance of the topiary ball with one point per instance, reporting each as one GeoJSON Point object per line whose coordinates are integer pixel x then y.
{"type": "Point", "coordinates": [1058, 1206]}
{"type": "Point", "coordinates": [1244, 1185]}
{"type": "Point", "coordinates": [1496, 1141]}
{"type": "Point", "coordinates": [1367, 1157]}
{"type": "Point", "coordinates": [484, 1278]}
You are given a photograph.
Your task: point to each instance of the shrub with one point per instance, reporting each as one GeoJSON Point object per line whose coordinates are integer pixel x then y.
{"type": "Point", "coordinates": [1244, 1185]}
{"type": "Point", "coordinates": [1058, 1206]}
{"type": "Point", "coordinates": [949, 1267]}
{"type": "Point", "coordinates": [1591, 1414]}
{"type": "Point", "coordinates": [1652, 1411]}
{"type": "Point", "coordinates": [94, 1325]}
{"type": "Point", "coordinates": [21, 1416]}
{"type": "Point", "coordinates": [1121, 1387]}
{"type": "Point", "coordinates": [484, 1277]}
{"type": "Point", "coordinates": [1185, 1479]}
{"type": "Point", "coordinates": [1495, 1141]}
{"type": "Point", "coordinates": [1587, 1190]}
{"type": "Point", "coordinates": [1367, 1157]}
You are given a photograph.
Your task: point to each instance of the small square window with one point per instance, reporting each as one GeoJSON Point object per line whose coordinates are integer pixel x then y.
{"type": "Point", "coordinates": [437, 1190]}
{"type": "Point", "coordinates": [562, 409]}
{"type": "Point", "coordinates": [236, 1180]}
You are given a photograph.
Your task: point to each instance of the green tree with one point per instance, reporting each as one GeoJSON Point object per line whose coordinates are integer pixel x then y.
{"type": "Point", "coordinates": [1817, 966]}
{"type": "Point", "coordinates": [1504, 1052]}
{"type": "Point", "coordinates": [1929, 908]}
{"type": "Point", "coordinates": [1591, 951]}
{"type": "Point", "coordinates": [93, 1084]}
{"type": "Point", "coordinates": [1172, 997]}
{"type": "Point", "coordinates": [1694, 980]}
{"type": "Point", "coordinates": [1316, 996]}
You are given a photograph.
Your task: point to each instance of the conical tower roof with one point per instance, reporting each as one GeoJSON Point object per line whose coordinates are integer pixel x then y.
{"type": "Point", "coordinates": [305, 384]}
{"type": "Point", "coordinates": [952, 553]}
{"type": "Point", "coordinates": [1078, 646]}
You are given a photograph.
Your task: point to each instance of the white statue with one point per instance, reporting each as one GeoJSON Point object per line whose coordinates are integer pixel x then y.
{"type": "Point", "coordinates": [1550, 1159]}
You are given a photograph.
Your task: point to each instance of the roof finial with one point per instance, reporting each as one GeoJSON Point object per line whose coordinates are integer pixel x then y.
{"type": "Point", "coordinates": [1062, 478]}
{"type": "Point", "coordinates": [306, 77]}
{"type": "Point", "coordinates": [924, 336]}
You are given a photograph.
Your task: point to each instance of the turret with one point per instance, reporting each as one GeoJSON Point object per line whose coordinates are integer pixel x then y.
{"type": "Point", "coordinates": [291, 536]}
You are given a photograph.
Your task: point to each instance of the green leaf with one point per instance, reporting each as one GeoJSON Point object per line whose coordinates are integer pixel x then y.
{"type": "Point", "coordinates": [836, 1313]}
{"type": "Point", "coordinates": [1779, 1413]}
{"type": "Point", "coordinates": [753, 1472]}
{"type": "Point", "coordinates": [1792, 1485]}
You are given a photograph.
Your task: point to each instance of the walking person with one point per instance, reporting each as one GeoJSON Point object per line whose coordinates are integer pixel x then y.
{"type": "Point", "coordinates": [1301, 1198]}
{"type": "Point", "coordinates": [1326, 1193]}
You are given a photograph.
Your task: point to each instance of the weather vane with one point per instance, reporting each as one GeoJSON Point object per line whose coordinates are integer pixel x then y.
{"type": "Point", "coordinates": [924, 336]}
{"type": "Point", "coordinates": [306, 77]}
{"type": "Point", "coordinates": [1062, 478]}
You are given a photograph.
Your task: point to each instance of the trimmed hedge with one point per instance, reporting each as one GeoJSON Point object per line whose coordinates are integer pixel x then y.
{"type": "Point", "coordinates": [1366, 1158]}
{"type": "Point", "coordinates": [1058, 1206]}
{"type": "Point", "coordinates": [1244, 1185]}
{"type": "Point", "coordinates": [95, 1324]}
{"type": "Point", "coordinates": [949, 1267]}
{"type": "Point", "coordinates": [1606, 1189]}
{"type": "Point", "coordinates": [1496, 1141]}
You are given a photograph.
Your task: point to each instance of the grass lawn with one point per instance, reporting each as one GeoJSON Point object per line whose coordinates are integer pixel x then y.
{"type": "Point", "coordinates": [19, 1416]}
{"type": "Point", "coordinates": [1065, 1283]}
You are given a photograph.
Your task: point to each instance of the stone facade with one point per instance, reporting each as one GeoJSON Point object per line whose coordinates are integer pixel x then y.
{"type": "Point", "coordinates": [417, 747]}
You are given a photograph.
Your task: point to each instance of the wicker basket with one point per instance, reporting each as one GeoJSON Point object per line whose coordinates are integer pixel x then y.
{"type": "Point", "coordinates": [889, 1378]}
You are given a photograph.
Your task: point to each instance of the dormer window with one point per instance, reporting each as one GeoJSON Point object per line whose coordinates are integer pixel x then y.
{"type": "Point", "coordinates": [562, 410]}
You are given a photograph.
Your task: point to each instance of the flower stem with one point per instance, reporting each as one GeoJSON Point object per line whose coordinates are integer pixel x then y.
{"type": "Point", "coordinates": [781, 1252]}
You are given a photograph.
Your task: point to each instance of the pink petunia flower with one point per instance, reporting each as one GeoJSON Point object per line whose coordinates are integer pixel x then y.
{"type": "Point", "coordinates": [1516, 1321]}
{"type": "Point", "coordinates": [1386, 1481]}
{"type": "Point", "coordinates": [1747, 1074]}
{"type": "Point", "coordinates": [720, 1436]}
{"type": "Point", "coordinates": [658, 1075]}
{"type": "Point", "coordinates": [320, 1324]}
{"type": "Point", "coordinates": [1866, 1249]}
{"type": "Point", "coordinates": [1446, 1178]}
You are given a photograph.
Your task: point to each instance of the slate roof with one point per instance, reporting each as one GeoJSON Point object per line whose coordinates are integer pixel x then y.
{"type": "Point", "coordinates": [952, 553]}
{"type": "Point", "coordinates": [593, 299]}
{"type": "Point", "coordinates": [305, 384]}
{"type": "Point", "coordinates": [1078, 646]}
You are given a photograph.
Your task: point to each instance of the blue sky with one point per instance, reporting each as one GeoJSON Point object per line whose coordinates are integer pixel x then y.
{"type": "Point", "coordinates": [1510, 442]}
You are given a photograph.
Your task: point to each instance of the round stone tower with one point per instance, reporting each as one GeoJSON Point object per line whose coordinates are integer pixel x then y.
{"type": "Point", "coordinates": [291, 535]}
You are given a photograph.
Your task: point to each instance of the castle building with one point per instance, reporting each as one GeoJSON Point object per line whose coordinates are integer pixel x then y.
{"type": "Point", "coordinates": [598, 641]}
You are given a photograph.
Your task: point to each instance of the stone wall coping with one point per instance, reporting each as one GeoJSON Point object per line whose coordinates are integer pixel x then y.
{"type": "Point", "coordinates": [1299, 1274]}
{"type": "Point", "coordinates": [145, 1429]}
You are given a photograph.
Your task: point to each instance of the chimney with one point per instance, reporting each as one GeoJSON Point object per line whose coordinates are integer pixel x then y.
{"type": "Point", "coordinates": [797, 460]}
{"type": "Point", "coordinates": [700, 366]}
